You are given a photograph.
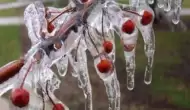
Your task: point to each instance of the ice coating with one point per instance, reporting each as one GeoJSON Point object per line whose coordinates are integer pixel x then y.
{"type": "Point", "coordinates": [78, 60]}
{"type": "Point", "coordinates": [103, 32]}
{"type": "Point", "coordinates": [127, 40]}
{"type": "Point", "coordinates": [32, 22]}
{"type": "Point", "coordinates": [8, 85]}
{"type": "Point", "coordinates": [130, 57]}
{"type": "Point", "coordinates": [151, 1]}
{"type": "Point", "coordinates": [168, 5]}
{"type": "Point", "coordinates": [172, 9]}
{"type": "Point", "coordinates": [177, 10]}
{"type": "Point", "coordinates": [149, 43]}
{"type": "Point", "coordinates": [130, 41]}
{"type": "Point", "coordinates": [86, 26]}
{"type": "Point", "coordinates": [160, 3]}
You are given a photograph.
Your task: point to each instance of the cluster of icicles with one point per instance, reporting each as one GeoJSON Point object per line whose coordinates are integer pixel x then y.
{"type": "Point", "coordinates": [62, 36]}
{"type": "Point", "coordinates": [170, 5]}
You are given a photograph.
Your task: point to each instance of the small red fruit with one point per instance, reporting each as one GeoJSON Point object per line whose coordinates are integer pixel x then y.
{"type": "Point", "coordinates": [104, 66]}
{"type": "Point", "coordinates": [146, 18]}
{"type": "Point", "coordinates": [84, 1]}
{"type": "Point", "coordinates": [51, 27]}
{"type": "Point", "coordinates": [20, 97]}
{"type": "Point", "coordinates": [58, 107]}
{"type": "Point", "coordinates": [108, 46]}
{"type": "Point", "coordinates": [129, 48]}
{"type": "Point", "coordinates": [128, 27]}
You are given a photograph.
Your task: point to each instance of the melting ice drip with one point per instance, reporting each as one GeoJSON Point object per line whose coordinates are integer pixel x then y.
{"type": "Point", "coordinates": [62, 36]}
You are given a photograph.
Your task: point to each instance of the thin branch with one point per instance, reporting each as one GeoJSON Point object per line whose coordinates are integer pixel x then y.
{"type": "Point", "coordinates": [133, 12]}
{"type": "Point", "coordinates": [103, 25]}
{"type": "Point", "coordinates": [28, 70]}
{"type": "Point", "coordinates": [68, 10]}
{"type": "Point", "coordinates": [89, 35]}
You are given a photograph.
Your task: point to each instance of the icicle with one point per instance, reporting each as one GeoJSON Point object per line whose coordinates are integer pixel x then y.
{"type": "Point", "coordinates": [60, 59]}
{"type": "Point", "coordinates": [160, 3]}
{"type": "Point", "coordinates": [151, 1]}
{"type": "Point", "coordinates": [84, 80]}
{"type": "Point", "coordinates": [111, 84]}
{"type": "Point", "coordinates": [128, 39]}
{"type": "Point", "coordinates": [78, 61]}
{"type": "Point", "coordinates": [149, 46]}
{"type": "Point", "coordinates": [110, 93]}
{"type": "Point", "coordinates": [176, 15]}
{"type": "Point", "coordinates": [167, 6]}
{"type": "Point", "coordinates": [110, 79]}
{"type": "Point", "coordinates": [129, 43]}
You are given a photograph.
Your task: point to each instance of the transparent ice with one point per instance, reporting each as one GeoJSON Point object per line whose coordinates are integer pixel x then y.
{"type": "Point", "coordinates": [167, 6]}
{"type": "Point", "coordinates": [150, 1]}
{"type": "Point", "coordinates": [79, 27]}
{"type": "Point", "coordinates": [161, 3]}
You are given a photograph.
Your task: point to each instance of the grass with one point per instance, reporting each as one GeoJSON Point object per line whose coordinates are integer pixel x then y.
{"type": "Point", "coordinates": [12, 12]}
{"type": "Point", "coordinates": [5, 1]}
{"type": "Point", "coordinates": [186, 4]}
{"type": "Point", "coordinates": [16, 11]}
{"type": "Point", "coordinates": [10, 45]}
{"type": "Point", "coordinates": [124, 1]}
{"type": "Point", "coordinates": [167, 56]}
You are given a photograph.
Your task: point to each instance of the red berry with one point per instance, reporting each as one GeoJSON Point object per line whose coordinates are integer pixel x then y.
{"type": "Point", "coordinates": [104, 66]}
{"type": "Point", "coordinates": [51, 27]}
{"type": "Point", "coordinates": [58, 107]}
{"type": "Point", "coordinates": [20, 97]}
{"type": "Point", "coordinates": [128, 27]}
{"type": "Point", "coordinates": [84, 1]}
{"type": "Point", "coordinates": [108, 46]}
{"type": "Point", "coordinates": [146, 18]}
{"type": "Point", "coordinates": [129, 48]}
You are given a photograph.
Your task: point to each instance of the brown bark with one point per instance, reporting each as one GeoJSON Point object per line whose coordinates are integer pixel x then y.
{"type": "Point", "coordinates": [10, 70]}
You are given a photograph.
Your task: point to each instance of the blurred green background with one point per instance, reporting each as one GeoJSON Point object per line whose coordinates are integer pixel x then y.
{"type": "Point", "coordinates": [171, 73]}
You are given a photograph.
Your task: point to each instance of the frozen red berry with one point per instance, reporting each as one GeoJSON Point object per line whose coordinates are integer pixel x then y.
{"type": "Point", "coordinates": [129, 48]}
{"type": "Point", "coordinates": [146, 18]}
{"type": "Point", "coordinates": [58, 107]}
{"type": "Point", "coordinates": [84, 1]}
{"type": "Point", "coordinates": [108, 46]}
{"type": "Point", "coordinates": [51, 27]}
{"type": "Point", "coordinates": [20, 97]}
{"type": "Point", "coordinates": [104, 66]}
{"type": "Point", "coordinates": [128, 27]}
